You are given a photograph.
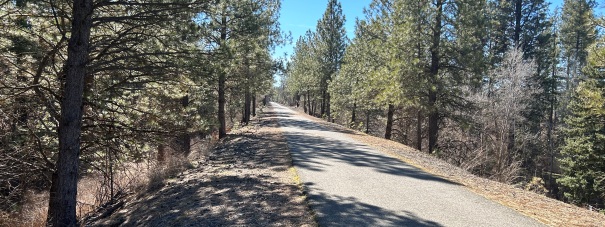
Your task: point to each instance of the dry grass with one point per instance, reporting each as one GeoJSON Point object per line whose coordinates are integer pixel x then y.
{"type": "Point", "coordinates": [174, 165]}
{"type": "Point", "coordinates": [546, 210]}
{"type": "Point", "coordinates": [92, 192]}
{"type": "Point", "coordinates": [35, 208]}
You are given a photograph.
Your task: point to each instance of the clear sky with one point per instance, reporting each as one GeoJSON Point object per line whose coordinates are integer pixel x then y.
{"type": "Point", "coordinates": [298, 16]}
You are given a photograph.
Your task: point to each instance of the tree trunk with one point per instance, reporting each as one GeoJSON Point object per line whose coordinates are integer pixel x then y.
{"type": "Point", "coordinates": [305, 103]}
{"type": "Point", "coordinates": [406, 133]}
{"type": "Point", "coordinates": [222, 129]}
{"type": "Point", "coordinates": [185, 138]}
{"type": "Point", "coordinates": [517, 36]}
{"type": "Point", "coordinates": [551, 146]}
{"type": "Point", "coordinates": [254, 105]}
{"type": "Point", "coordinates": [368, 122]}
{"type": "Point", "coordinates": [433, 122]}
{"type": "Point", "coordinates": [328, 115]}
{"type": "Point", "coordinates": [313, 107]}
{"type": "Point", "coordinates": [434, 85]}
{"type": "Point", "coordinates": [322, 110]}
{"type": "Point", "coordinates": [353, 120]}
{"type": "Point", "coordinates": [389, 129]}
{"type": "Point", "coordinates": [247, 101]}
{"type": "Point", "coordinates": [419, 131]}
{"type": "Point", "coordinates": [62, 202]}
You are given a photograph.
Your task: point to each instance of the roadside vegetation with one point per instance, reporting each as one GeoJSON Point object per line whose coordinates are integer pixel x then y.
{"type": "Point", "coordinates": [101, 98]}
{"type": "Point", "coordinates": [507, 90]}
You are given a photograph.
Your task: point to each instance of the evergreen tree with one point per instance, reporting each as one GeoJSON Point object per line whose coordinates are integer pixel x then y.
{"type": "Point", "coordinates": [578, 32]}
{"type": "Point", "coordinates": [331, 43]}
{"type": "Point", "coordinates": [583, 155]}
{"type": "Point", "coordinates": [305, 72]}
{"type": "Point", "coordinates": [146, 73]}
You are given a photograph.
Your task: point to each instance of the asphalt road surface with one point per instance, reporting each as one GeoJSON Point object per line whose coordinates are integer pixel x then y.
{"type": "Point", "coordinates": [351, 184]}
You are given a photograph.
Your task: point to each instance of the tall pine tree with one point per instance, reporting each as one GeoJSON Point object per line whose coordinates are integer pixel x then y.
{"type": "Point", "coordinates": [583, 155]}
{"type": "Point", "coordinates": [332, 41]}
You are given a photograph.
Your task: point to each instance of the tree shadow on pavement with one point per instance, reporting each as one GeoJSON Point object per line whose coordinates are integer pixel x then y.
{"type": "Point", "coordinates": [311, 152]}
{"type": "Point", "coordinates": [351, 212]}
{"type": "Point", "coordinates": [310, 149]}
{"type": "Point", "coordinates": [314, 147]}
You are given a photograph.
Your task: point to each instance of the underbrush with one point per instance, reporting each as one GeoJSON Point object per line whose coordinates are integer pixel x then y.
{"type": "Point", "coordinates": [98, 188]}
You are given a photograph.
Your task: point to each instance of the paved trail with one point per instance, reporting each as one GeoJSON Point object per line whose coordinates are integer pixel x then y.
{"type": "Point", "coordinates": [351, 184]}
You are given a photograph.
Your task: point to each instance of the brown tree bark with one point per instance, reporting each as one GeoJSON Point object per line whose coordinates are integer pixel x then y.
{"type": "Point", "coordinates": [367, 122]}
{"type": "Point", "coordinates": [247, 101]}
{"type": "Point", "coordinates": [322, 109]}
{"type": "Point", "coordinates": [254, 105]}
{"type": "Point", "coordinates": [353, 117]}
{"type": "Point", "coordinates": [518, 14]}
{"type": "Point", "coordinates": [62, 202]}
{"type": "Point", "coordinates": [305, 103]}
{"type": "Point", "coordinates": [328, 115]}
{"type": "Point", "coordinates": [389, 128]}
{"type": "Point", "coordinates": [222, 129]}
{"type": "Point", "coordinates": [433, 74]}
{"type": "Point", "coordinates": [419, 131]}
{"type": "Point", "coordinates": [185, 138]}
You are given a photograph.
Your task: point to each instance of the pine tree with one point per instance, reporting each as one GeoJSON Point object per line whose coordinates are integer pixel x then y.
{"type": "Point", "coordinates": [332, 41]}
{"type": "Point", "coordinates": [305, 72]}
{"type": "Point", "coordinates": [578, 32]}
{"type": "Point", "coordinates": [583, 155]}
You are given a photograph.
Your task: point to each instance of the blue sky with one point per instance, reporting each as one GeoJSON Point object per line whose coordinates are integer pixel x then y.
{"type": "Point", "coordinates": [298, 16]}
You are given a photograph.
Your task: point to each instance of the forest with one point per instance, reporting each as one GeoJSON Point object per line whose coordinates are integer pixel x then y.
{"type": "Point", "coordinates": [90, 88]}
{"type": "Point", "coordinates": [505, 89]}
{"type": "Point", "coordinates": [100, 97]}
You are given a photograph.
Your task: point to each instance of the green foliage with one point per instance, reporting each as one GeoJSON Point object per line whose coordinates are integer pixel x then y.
{"type": "Point", "coordinates": [151, 80]}
{"type": "Point", "coordinates": [583, 155]}
{"type": "Point", "coordinates": [578, 32]}
{"type": "Point", "coordinates": [492, 77]}
{"type": "Point", "coordinates": [317, 59]}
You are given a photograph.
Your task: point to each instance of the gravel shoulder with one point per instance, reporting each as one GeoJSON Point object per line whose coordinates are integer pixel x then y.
{"type": "Point", "coordinates": [248, 180]}
{"type": "Point", "coordinates": [546, 210]}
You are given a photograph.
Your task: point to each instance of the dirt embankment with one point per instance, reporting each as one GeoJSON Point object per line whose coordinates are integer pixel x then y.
{"type": "Point", "coordinates": [246, 181]}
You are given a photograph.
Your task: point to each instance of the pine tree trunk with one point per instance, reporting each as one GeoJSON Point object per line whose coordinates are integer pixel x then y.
{"type": "Point", "coordinates": [222, 129]}
{"type": "Point", "coordinates": [368, 122]}
{"type": "Point", "coordinates": [353, 113]}
{"type": "Point", "coordinates": [305, 103]}
{"type": "Point", "coordinates": [328, 115]}
{"type": "Point", "coordinates": [62, 202]}
{"type": "Point", "coordinates": [551, 148]}
{"type": "Point", "coordinates": [434, 73]}
{"type": "Point", "coordinates": [389, 128]}
{"type": "Point", "coordinates": [254, 105]}
{"type": "Point", "coordinates": [433, 122]}
{"type": "Point", "coordinates": [518, 14]}
{"type": "Point", "coordinates": [323, 104]}
{"type": "Point", "coordinates": [185, 138]}
{"type": "Point", "coordinates": [419, 131]}
{"type": "Point", "coordinates": [247, 101]}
